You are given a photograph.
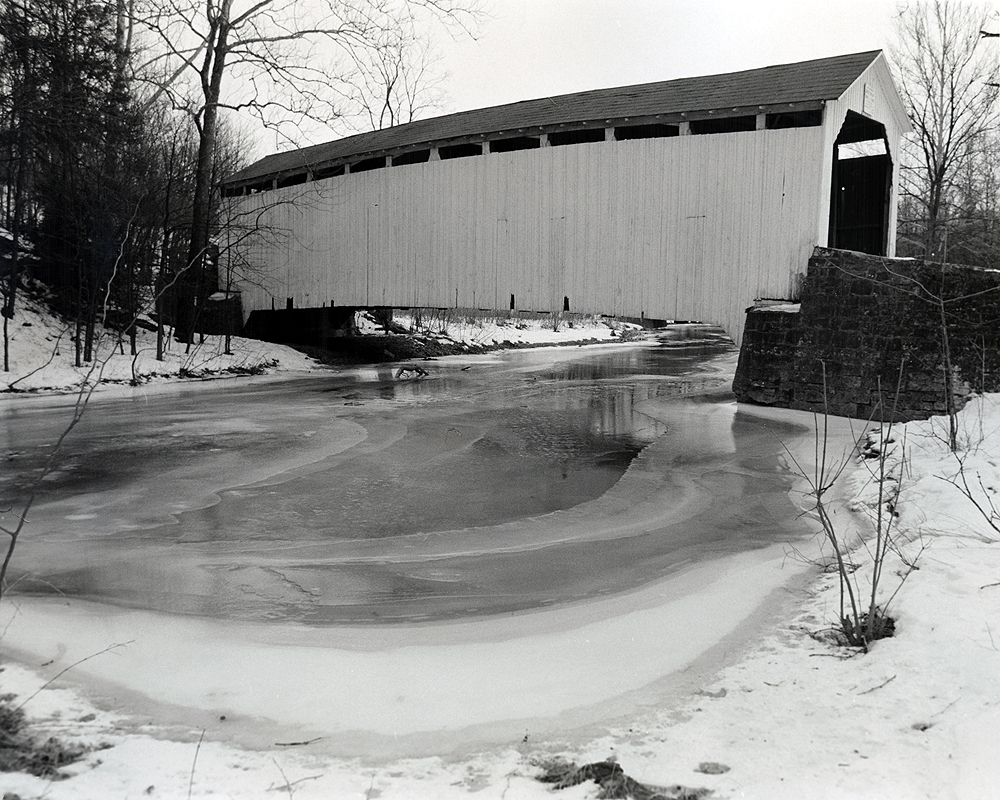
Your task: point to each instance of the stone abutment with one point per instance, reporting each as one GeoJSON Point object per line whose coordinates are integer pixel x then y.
{"type": "Point", "coordinates": [871, 337]}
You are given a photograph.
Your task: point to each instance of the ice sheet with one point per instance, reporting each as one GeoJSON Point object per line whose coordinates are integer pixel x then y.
{"type": "Point", "coordinates": [411, 689]}
{"type": "Point", "coordinates": [530, 625]}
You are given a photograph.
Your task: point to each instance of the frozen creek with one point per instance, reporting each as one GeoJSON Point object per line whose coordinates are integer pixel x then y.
{"type": "Point", "coordinates": [520, 544]}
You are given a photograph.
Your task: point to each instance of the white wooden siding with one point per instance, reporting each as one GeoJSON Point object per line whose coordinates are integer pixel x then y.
{"type": "Point", "coordinates": [688, 227]}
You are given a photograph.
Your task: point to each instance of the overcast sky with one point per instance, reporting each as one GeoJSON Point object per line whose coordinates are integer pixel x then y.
{"type": "Point", "coordinates": [537, 48]}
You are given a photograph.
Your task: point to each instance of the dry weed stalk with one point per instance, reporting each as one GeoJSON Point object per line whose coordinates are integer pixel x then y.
{"type": "Point", "coordinates": [982, 494]}
{"type": "Point", "coordinates": [862, 619]}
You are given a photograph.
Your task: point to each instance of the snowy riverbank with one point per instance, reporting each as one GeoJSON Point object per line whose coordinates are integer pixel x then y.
{"type": "Point", "coordinates": [764, 708]}
{"type": "Point", "coordinates": [42, 348]}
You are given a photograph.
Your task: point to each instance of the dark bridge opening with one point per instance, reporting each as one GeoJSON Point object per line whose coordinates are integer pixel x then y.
{"type": "Point", "coordinates": [862, 179]}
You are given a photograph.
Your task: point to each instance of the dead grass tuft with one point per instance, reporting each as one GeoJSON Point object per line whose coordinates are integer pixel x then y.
{"type": "Point", "coordinates": [613, 781]}
{"type": "Point", "coordinates": [21, 752]}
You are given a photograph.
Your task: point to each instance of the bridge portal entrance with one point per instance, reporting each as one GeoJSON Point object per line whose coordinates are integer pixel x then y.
{"type": "Point", "coordinates": [861, 189]}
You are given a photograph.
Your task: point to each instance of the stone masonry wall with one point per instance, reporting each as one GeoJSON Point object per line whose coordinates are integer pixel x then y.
{"type": "Point", "coordinates": [867, 337]}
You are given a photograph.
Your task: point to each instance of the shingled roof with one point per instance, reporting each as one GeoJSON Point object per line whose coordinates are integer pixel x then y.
{"type": "Point", "coordinates": [804, 84]}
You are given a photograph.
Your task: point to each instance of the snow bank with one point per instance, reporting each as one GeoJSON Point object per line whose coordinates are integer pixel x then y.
{"type": "Point", "coordinates": [499, 328]}
{"type": "Point", "coordinates": [43, 355]}
{"type": "Point", "coordinates": [43, 351]}
{"type": "Point", "coordinates": [917, 717]}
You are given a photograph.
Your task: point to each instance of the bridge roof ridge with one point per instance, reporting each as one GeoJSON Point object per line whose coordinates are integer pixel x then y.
{"type": "Point", "coordinates": [795, 83]}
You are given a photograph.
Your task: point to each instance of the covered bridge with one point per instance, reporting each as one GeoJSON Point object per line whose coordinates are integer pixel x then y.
{"type": "Point", "coordinates": [685, 199]}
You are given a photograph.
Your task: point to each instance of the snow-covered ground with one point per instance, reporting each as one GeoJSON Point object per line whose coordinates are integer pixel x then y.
{"type": "Point", "coordinates": [774, 709]}
{"type": "Point", "coordinates": [43, 351]}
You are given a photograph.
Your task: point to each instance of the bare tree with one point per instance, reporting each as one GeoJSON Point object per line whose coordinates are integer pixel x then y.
{"type": "Point", "coordinates": [19, 110]}
{"type": "Point", "coordinates": [69, 129]}
{"type": "Point", "coordinates": [282, 61]}
{"type": "Point", "coordinates": [396, 83]}
{"type": "Point", "coordinates": [948, 80]}
{"type": "Point", "coordinates": [973, 232]}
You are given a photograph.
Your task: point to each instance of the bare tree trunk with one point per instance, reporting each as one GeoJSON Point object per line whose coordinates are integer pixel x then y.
{"type": "Point", "coordinates": [949, 381]}
{"type": "Point", "coordinates": [160, 283]}
{"type": "Point", "coordinates": [159, 314]}
{"type": "Point", "coordinates": [78, 339]}
{"type": "Point", "coordinates": [212, 74]}
{"type": "Point", "coordinates": [15, 264]}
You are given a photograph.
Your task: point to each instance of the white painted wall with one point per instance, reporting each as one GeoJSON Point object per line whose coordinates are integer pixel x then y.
{"type": "Point", "coordinates": [689, 227]}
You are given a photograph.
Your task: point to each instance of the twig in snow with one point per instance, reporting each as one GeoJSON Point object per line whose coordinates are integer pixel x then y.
{"type": "Point", "coordinates": [194, 762]}
{"type": "Point", "coordinates": [33, 578]}
{"type": "Point", "coordinates": [839, 656]}
{"type": "Point", "coordinates": [284, 777]}
{"type": "Point", "coordinates": [939, 713]}
{"type": "Point", "coordinates": [17, 610]}
{"type": "Point", "coordinates": [884, 683]}
{"type": "Point", "coordinates": [297, 744]}
{"type": "Point", "coordinates": [289, 784]}
{"type": "Point", "coordinates": [59, 674]}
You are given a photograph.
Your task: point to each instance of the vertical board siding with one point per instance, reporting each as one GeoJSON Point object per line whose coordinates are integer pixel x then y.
{"type": "Point", "coordinates": [688, 227]}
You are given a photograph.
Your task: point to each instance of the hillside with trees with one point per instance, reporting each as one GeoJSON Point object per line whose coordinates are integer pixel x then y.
{"type": "Point", "coordinates": [117, 120]}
